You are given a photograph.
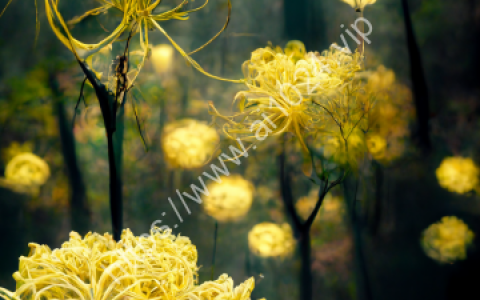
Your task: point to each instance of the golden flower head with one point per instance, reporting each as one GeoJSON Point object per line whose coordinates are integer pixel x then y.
{"type": "Point", "coordinates": [229, 199]}
{"type": "Point", "coordinates": [269, 240]}
{"type": "Point", "coordinates": [359, 5]}
{"type": "Point", "coordinates": [156, 266]}
{"type": "Point", "coordinates": [221, 289]}
{"type": "Point", "coordinates": [26, 172]}
{"type": "Point", "coordinates": [447, 240]}
{"type": "Point", "coordinates": [280, 88]}
{"type": "Point", "coordinates": [458, 174]}
{"type": "Point", "coordinates": [188, 143]}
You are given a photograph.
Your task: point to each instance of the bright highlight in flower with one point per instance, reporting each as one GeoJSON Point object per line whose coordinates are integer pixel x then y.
{"type": "Point", "coordinates": [271, 240]}
{"type": "Point", "coordinates": [26, 172]}
{"type": "Point", "coordinates": [458, 174]}
{"type": "Point", "coordinates": [189, 143]}
{"type": "Point", "coordinates": [230, 199]}
{"type": "Point", "coordinates": [447, 240]}
{"type": "Point", "coordinates": [156, 266]}
{"type": "Point", "coordinates": [359, 5]}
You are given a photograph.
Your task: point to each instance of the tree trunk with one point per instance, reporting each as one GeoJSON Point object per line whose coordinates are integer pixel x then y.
{"type": "Point", "coordinates": [419, 85]}
{"type": "Point", "coordinates": [79, 210]}
{"type": "Point", "coordinates": [306, 283]}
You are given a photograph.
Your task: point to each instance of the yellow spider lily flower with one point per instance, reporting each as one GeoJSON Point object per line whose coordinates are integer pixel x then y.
{"type": "Point", "coordinates": [447, 240]}
{"type": "Point", "coordinates": [156, 266]}
{"type": "Point", "coordinates": [280, 89]}
{"type": "Point", "coordinates": [138, 15]}
{"type": "Point", "coordinates": [458, 174]}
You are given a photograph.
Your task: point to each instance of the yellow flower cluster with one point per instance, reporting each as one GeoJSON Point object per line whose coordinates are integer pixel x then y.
{"type": "Point", "coordinates": [281, 87]}
{"type": "Point", "coordinates": [189, 143]}
{"type": "Point", "coordinates": [271, 240]}
{"type": "Point", "coordinates": [458, 174]}
{"type": "Point", "coordinates": [158, 266]}
{"type": "Point", "coordinates": [389, 117]}
{"type": "Point", "coordinates": [346, 146]}
{"type": "Point", "coordinates": [330, 210]}
{"type": "Point", "coordinates": [447, 240]}
{"type": "Point", "coordinates": [229, 199]}
{"type": "Point", "coordinates": [25, 173]}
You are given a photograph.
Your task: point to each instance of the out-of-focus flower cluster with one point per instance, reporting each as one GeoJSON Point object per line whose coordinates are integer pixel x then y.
{"type": "Point", "coordinates": [447, 240]}
{"type": "Point", "coordinates": [229, 198]}
{"type": "Point", "coordinates": [390, 116]}
{"type": "Point", "coordinates": [458, 174]}
{"type": "Point", "coordinates": [25, 173]}
{"type": "Point", "coordinates": [158, 266]}
{"type": "Point", "coordinates": [271, 240]}
{"type": "Point", "coordinates": [282, 86]}
{"type": "Point", "coordinates": [188, 143]}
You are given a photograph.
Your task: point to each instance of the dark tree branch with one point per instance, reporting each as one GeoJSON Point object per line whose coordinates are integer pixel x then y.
{"type": "Point", "coordinates": [419, 85]}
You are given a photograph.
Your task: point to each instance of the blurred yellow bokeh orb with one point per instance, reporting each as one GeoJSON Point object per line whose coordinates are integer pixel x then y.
{"type": "Point", "coordinates": [189, 143]}
{"type": "Point", "coordinates": [458, 174]}
{"type": "Point", "coordinates": [376, 146]}
{"type": "Point", "coordinates": [447, 240]}
{"type": "Point", "coordinates": [162, 58]}
{"type": "Point", "coordinates": [27, 169]}
{"type": "Point", "coordinates": [271, 240]}
{"type": "Point", "coordinates": [230, 199]}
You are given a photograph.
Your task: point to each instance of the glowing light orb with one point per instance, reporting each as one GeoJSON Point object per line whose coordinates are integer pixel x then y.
{"type": "Point", "coordinates": [27, 169]}
{"type": "Point", "coordinates": [271, 240]}
{"type": "Point", "coordinates": [188, 143]}
{"type": "Point", "coordinates": [162, 58]}
{"type": "Point", "coordinates": [359, 5]}
{"type": "Point", "coordinates": [228, 200]}
{"type": "Point", "coordinates": [457, 174]}
{"type": "Point", "coordinates": [447, 240]}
